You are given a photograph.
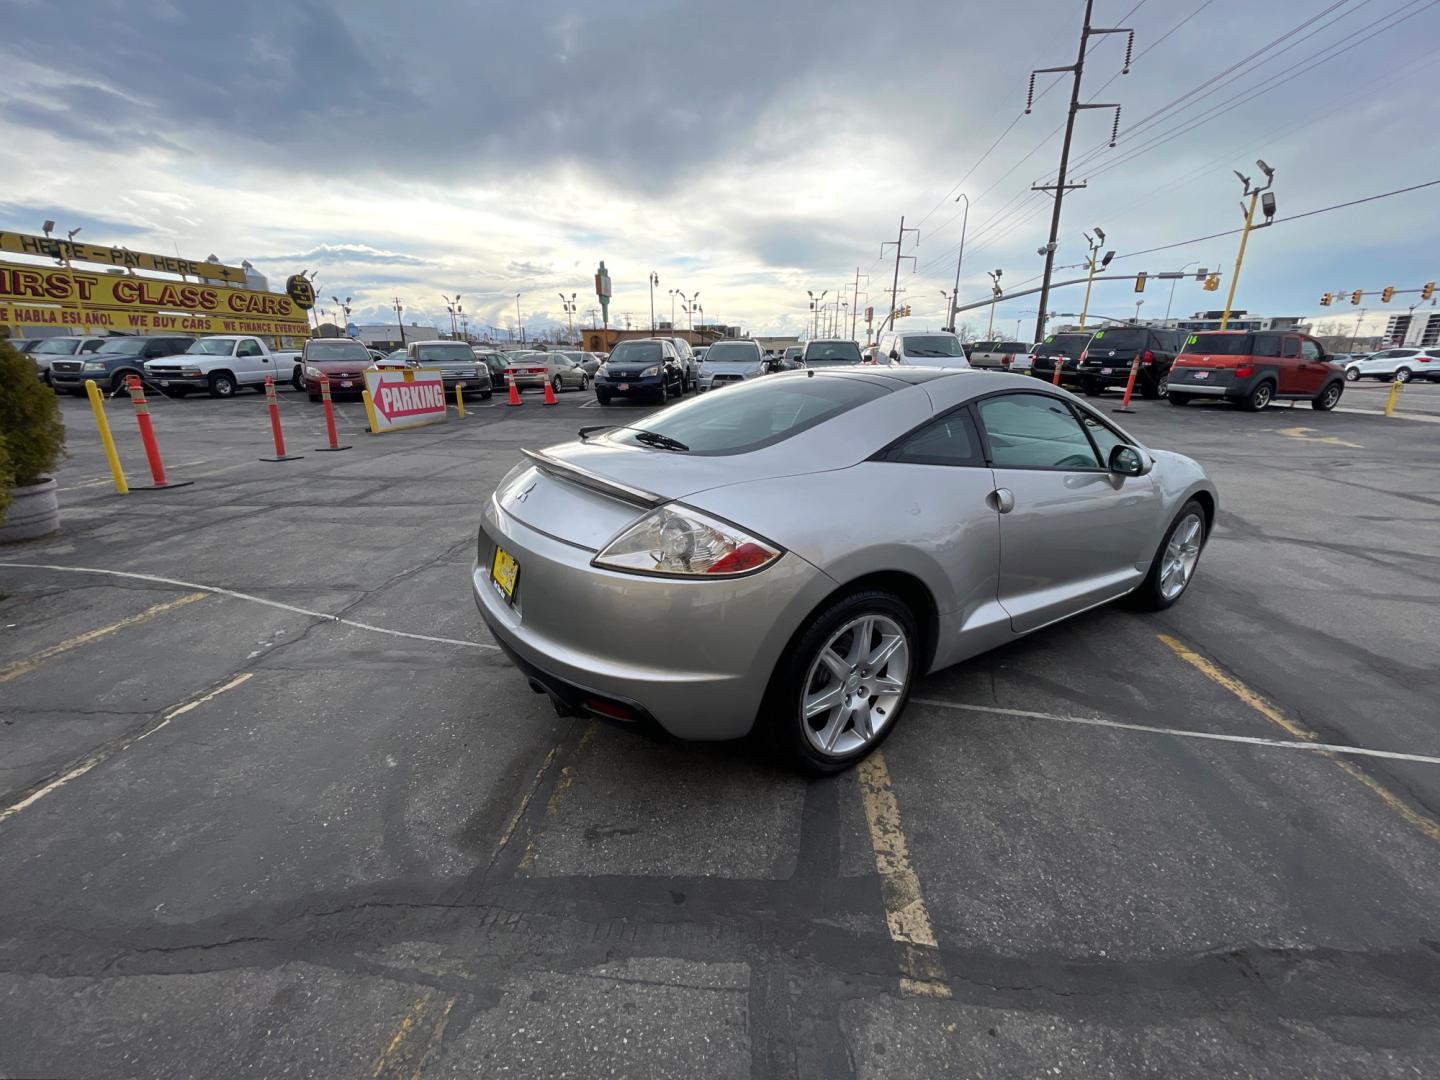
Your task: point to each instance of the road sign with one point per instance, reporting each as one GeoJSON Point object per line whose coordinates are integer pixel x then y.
{"type": "Point", "coordinates": [406, 398]}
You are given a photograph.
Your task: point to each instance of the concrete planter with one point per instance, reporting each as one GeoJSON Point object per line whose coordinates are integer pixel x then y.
{"type": "Point", "coordinates": [34, 511]}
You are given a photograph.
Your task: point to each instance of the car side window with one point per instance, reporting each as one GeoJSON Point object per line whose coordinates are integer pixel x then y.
{"type": "Point", "coordinates": [1266, 345]}
{"type": "Point", "coordinates": [248, 348]}
{"type": "Point", "coordinates": [1291, 347]}
{"type": "Point", "coordinates": [1309, 350]}
{"type": "Point", "coordinates": [1104, 436]}
{"type": "Point", "coordinates": [1034, 431]}
{"type": "Point", "coordinates": [950, 440]}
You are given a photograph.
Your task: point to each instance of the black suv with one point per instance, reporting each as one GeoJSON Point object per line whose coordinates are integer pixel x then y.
{"type": "Point", "coordinates": [1067, 348]}
{"type": "Point", "coordinates": [116, 359]}
{"type": "Point", "coordinates": [1107, 359]}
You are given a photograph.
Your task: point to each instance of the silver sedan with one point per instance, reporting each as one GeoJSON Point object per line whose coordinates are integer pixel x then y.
{"type": "Point", "coordinates": [798, 551]}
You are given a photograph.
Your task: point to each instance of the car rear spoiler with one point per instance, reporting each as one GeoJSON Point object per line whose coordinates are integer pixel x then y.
{"type": "Point", "coordinates": [583, 477]}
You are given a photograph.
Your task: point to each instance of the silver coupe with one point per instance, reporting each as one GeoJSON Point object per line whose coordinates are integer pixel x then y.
{"type": "Point", "coordinates": [795, 553]}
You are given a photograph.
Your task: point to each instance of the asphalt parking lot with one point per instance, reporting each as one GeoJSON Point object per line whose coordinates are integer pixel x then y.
{"type": "Point", "coordinates": [272, 803]}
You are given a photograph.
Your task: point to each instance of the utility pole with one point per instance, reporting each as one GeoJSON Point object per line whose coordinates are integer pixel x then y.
{"type": "Point", "coordinates": [400, 318]}
{"type": "Point", "coordinates": [963, 223]}
{"type": "Point", "coordinates": [855, 301]}
{"type": "Point", "coordinates": [1269, 207]}
{"type": "Point", "coordinates": [1059, 188]}
{"type": "Point", "coordinates": [518, 321]}
{"type": "Point", "coordinates": [895, 281]}
{"type": "Point", "coordinates": [654, 280]}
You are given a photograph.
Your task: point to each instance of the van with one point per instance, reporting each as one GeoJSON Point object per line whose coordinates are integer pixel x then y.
{"type": "Point", "coordinates": [936, 348]}
{"type": "Point", "coordinates": [1253, 369]}
{"type": "Point", "coordinates": [1112, 352]}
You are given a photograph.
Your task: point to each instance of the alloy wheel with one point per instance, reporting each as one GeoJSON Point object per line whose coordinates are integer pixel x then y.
{"type": "Point", "coordinates": [855, 685]}
{"type": "Point", "coordinates": [1402, 375]}
{"type": "Point", "coordinates": [1182, 552]}
{"type": "Point", "coordinates": [1352, 374]}
{"type": "Point", "coordinates": [1262, 396]}
{"type": "Point", "coordinates": [1330, 397]}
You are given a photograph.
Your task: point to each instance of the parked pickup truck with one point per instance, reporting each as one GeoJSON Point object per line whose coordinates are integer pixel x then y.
{"type": "Point", "coordinates": [115, 360]}
{"type": "Point", "coordinates": [1000, 355]}
{"type": "Point", "coordinates": [222, 365]}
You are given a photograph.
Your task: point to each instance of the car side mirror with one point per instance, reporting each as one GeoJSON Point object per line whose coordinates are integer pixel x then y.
{"type": "Point", "coordinates": [1130, 460]}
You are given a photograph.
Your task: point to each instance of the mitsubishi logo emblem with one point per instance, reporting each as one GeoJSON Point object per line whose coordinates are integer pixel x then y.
{"type": "Point", "coordinates": [524, 494]}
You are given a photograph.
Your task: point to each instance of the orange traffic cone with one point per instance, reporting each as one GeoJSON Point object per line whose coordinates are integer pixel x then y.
{"type": "Point", "coordinates": [550, 394]}
{"type": "Point", "coordinates": [514, 390]}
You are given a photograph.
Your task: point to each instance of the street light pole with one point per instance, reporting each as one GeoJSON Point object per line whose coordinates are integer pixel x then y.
{"type": "Point", "coordinates": [1137, 311]}
{"type": "Point", "coordinates": [519, 323]}
{"type": "Point", "coordinates": [654, 280]}
{"type": "Point", "coordinates": [994, 296]}
{"type": "Point", "coordinates": [400, 319]}
{"type": "Point", "coordinates": [1173, 283]}
{"type": "Point", "coordinates": [1095, 245]}
{"type": "Point", "coordinates": [1254, 194]}
{"type": "Point", "coordinates": [963, 222]}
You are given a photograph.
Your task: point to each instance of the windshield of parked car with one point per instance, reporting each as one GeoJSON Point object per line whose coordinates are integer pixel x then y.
{"type": "Point", "coordinates": [756, 413]}
{"type": "Point", "coordinates": [733, 352]}
{"type": "Point", "coordinates": [932, 345]}
{"type": "Point", "coordinates": [843, 352]}
{"type": "Point", "coordinates": [637, 352]}
{"type": "Point", "coordinates": [1119, 339]}
{"type": "Point", "coordinates": [1070, 345]}
{"type": "Point", "coordinates": [1221, 344]}
{"type": "Point", "coordinates": [444, 352]}
{"type": "Point", "coordinates": [339, 351]}
{"type": "Point", "coordinates": [213, 347]}
{"type": "Point", "coordinates": [58, 346]}
{"type": "Point", "coordinates": [130, 346]}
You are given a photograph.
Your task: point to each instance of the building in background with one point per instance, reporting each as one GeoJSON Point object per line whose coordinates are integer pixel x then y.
{"type": "Point", "coordinates": [386, 336]}
{"type": "Point", "coordinates": [1420, 329]}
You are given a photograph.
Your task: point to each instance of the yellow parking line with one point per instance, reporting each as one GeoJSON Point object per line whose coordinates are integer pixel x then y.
{"type": "Point", "coordinates": [30, 663]}
{"type": "Point", "coordinates": [1426, 824]}
{"type": "Point", "coordinates": [416, 1037]}
{"type": "Point", "coordinates": [921, 972]}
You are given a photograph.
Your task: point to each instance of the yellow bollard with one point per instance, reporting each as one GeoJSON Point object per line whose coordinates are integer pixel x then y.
{"type": "Point", "coordinates": [459, 403]}
{"type": "Point", "coordinates": [97, 405]}
{"type": "Point", "coordinates": [370, 411]}
{"type": "Point", "coordinates": [1394, 398]}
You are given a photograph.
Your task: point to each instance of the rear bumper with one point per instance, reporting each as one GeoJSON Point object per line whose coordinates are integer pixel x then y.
{"type": "Point", "coordinates": [694, 656]}
{"type": "Point", "coordinates": [1218, 383]}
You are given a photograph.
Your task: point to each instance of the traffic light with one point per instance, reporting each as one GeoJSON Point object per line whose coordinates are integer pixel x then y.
{"type": "Point", "coordinates": [1140, 281]}
{"type": "Point", "coordinates": [1387, 294]}
{"type": "Point", "coordinates": [1325, 300]}
{"type": "Point", "coordinates": [1355, 296]}
{"type": "Point", "coordinates": [1212, 283]}
{"type": "Point", "coordinates": [1428, 291]}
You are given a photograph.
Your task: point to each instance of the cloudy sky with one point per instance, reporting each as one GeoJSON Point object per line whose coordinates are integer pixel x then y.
{"type": "Point", "coordinates": [747, 150]}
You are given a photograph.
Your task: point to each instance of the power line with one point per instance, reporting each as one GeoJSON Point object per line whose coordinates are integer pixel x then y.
{"type": "Point", "coordinates": [1280, 220]}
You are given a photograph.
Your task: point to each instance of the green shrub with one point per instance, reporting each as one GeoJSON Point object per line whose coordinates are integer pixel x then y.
{"type": "Point", "coordinates": [31, 434]}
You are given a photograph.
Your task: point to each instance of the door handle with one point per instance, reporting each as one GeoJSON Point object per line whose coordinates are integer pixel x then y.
{"type": "Point", "coordinates": [1003, 500]}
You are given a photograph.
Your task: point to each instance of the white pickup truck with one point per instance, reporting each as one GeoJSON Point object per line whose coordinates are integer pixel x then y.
{"type": "Point", "coordinates": [222, 365]}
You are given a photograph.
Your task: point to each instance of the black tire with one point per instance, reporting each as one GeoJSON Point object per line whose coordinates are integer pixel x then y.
{"type": "Point", "coordinates": [602, 397]}
{"type": "Point", "coordinates": [180, 391]}
{"type": "Point", "coordinates": [297, 380]}
{"type": "Point", "coordinates": [1092, 388]}
{"type": "Point", "coordinates": [1352, 374]}
{"type": "Point", "coordinates": [1148, 595]}
{"type": "Point", "coordinates": [1402, 375]}
{"type": "Point", "coordinates": [222, 385]}
{"type": "Point", "coordinates": [485, 395]}
{"type": "Point", "coordinates": [780, 714]}
{"type": "Point", "coordinates": [259, 388]}
{"type": "Point", "coordinates": [1179, 399]}
{"type": "Point", "coordinates": [118, 381]}
{"type": "Point", "coordinates": [1153, 389]}
{"type": "Point", "coordinates": [556, 384]}
{"type": "Point", "coordinates": [1327, 398]}
{"type": "Point", "coordinates": [584, 381]}
{"type": "Point", "coordinates": [1259, 397]}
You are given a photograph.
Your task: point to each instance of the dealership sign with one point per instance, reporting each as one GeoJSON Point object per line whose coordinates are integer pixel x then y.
{"type": "Point", "coordinates": [405, 398]}
{"type": "Point", "coordinates": [52, 247]}
{"type": "Point", "coordinates": [56, 296]}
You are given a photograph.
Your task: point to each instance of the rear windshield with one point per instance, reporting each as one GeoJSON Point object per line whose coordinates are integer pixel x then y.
{"type": "Point", "coordinates": [1121, 339]}
{"type": "Point", "coordinates": [733, 352]}
{"type": "Point", "coordinates": [1221, 344]}
{"type": "Point", "coordinates": [347, 350]}
{"type": "Point", "coordinates": [444, 352]}
{"type": "Point", "coordinates": [832, 350]}
{"type": "Point", "coordinates": [752, 415]}
{"type": "Point", "coordinates": [932, 345]}
{"type": "Point", "coordinates": [1070, 345]}
{"type": "Point", "coordinates": [636, 352]}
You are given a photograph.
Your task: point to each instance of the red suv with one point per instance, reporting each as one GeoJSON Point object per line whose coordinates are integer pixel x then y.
{"type": "Point", "coordinates": [1254, 369]}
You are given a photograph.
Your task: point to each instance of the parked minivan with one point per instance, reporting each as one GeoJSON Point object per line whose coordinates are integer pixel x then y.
{"type": "Point", "coordinates": [1254, 369]}
{"type": "Point", "coordinates": [1106, 361]}
{"type": "Point", "coordinates": [930, 348]}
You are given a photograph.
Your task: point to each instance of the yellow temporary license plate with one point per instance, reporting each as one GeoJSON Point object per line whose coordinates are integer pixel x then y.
{"type": "Point", "coordinates": [505, 572]}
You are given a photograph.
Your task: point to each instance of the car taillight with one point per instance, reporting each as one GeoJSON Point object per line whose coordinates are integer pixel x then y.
{"type": "Point", "coordinates": [1244, 371]}
{"type": "Point", "coordinates": [1423, 359]}
{"type": "Point", "coordinates": [1004, 361]}
{"type": "Point", "coordinates": [535, 371]}
{"type": "Point", "coordinates": [1147, 357]}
